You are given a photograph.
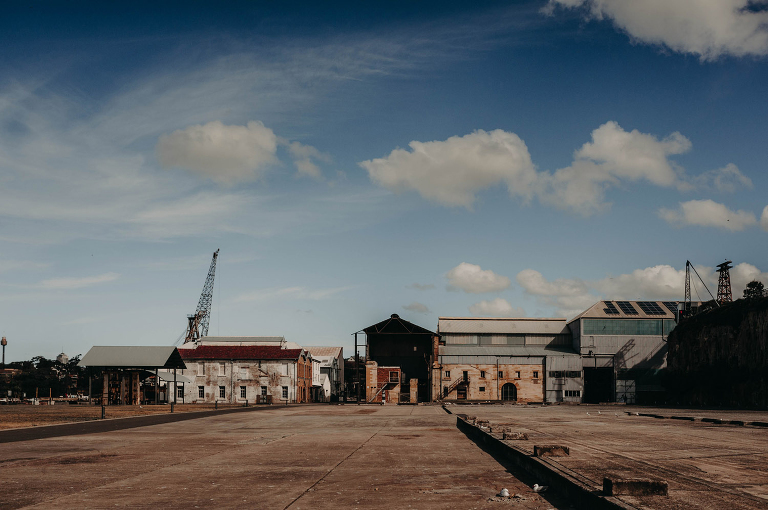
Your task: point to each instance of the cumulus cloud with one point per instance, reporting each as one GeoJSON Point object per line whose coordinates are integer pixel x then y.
{"type": "Point", "coordinates": [707, 213]}
{"type": "Point", "coordinates": [568, 296]}
{"type": "Point", "coordinates": [77, 283]}
{"type": "Point", "coordinates": [661, 282]}
{"type": "Point", "coordinates": [420, 286]}
{"type": "Point", "coordinates": [729, 179]}
{"type": "Point", "coordinates": [223, 153]}
{"type": "Point", "coordinates": [417, 307]}
{"type": "Point", "coordinates": [451, 172]}
{"type": "Point", "coordinates": [495, 308]}
{"type": "Point", "coordinates": [707, 28]}
{"type": "Point", "coordinates": [612, 157]}
{"type": "Point", "coordinates": [764, 219]}
{"type": "Point", "coordinates": [473, 279]}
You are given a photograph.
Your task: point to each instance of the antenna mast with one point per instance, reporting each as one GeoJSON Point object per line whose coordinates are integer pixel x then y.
{"type": "Point", "coordinates": [198, 323]}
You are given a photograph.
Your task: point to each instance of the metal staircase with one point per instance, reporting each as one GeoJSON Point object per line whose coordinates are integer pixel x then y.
{"type": "Point", "coordinates": [455, 384]}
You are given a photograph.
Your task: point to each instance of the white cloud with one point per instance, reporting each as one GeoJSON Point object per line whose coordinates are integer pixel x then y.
{"type": "Point", "coordinates": [495, 308]}
{"type": "Point", "coordinates": [303, 156]}
{"type": "Point", "coordinates": [417, 307]}
{"type": "Point", "coordinates": [764, 219]}
{"type": "Point", "coordinates": [662, 282]}
{"type": "Point", "coordinates": [612, 157]}
{"type": "Point", "coordinates": [707, 213]}
{"type": "Point", "coordinates": [473, 279]}
{"type": "Point", "coordinates": [296, 293]}
{"type": "Point", "coordinates": [223, 153]}
{"type": "Point", "coordinates": [729, 179]}
{"type": "Point", "coordinates": [707, 28]}
{"type": "Point", "coordinates": [567, 296]}
{"type": "Point", "coordinates": [77, 283]}
{"type": "Point", "coordinates": [451, 172]}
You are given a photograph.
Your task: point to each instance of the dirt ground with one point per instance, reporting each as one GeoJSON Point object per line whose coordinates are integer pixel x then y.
{"type": "Point", "coordinates": [24, 415]}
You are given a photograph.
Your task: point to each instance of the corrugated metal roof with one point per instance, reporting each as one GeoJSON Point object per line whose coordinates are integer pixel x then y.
{"type": "Point", "coordinates": [477, 325]}
{"type": "Point", "coordinates": [253, 352]}
{"type": "Point", "coordinates": [396, 326]}
{"type": "Point", "coordinates": [317, 350]}
{"type": "Point", "coordinates": [504, 351]}
{"type": "Point", "coordinates": [168, 376]}
{"type": "Point", "coordinates": [132, 356]}
{"type": "Point", "coordinates": [598, 311]}
{"type": "Point", "coordinates": [242, 339]}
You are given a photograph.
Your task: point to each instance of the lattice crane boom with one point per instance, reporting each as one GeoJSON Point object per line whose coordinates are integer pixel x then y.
{"type": "Point", "coordinates": [198, 323]}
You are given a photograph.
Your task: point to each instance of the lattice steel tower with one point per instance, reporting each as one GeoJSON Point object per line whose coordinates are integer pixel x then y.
{"type": "Point", "coordinates": [198, 323]}
{"type": "Point", "coordinates": [724, 283]}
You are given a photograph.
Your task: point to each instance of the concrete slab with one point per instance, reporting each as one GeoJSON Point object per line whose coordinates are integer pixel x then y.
{"type": "Point", "coordinates": [314, 456]}
{"type": "Point", "coordinates": [707, 465]}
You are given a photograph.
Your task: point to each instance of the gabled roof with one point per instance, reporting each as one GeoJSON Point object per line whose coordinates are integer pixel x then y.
{"type": "Point", "coordinates": [132, 356]}
{"type": "Point", "coordinates": [317, 351]}
{"type": "Point", "coordinates": [602, 310]}
{"type": "Point", "coordinates": [243, 339]}
{"type": "Point", "coordinates": [396, 326]}
{"type": "Point", "coordinates": [250, 352]}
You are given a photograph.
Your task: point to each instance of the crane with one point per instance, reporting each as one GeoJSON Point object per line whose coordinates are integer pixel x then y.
{"type": "Point", "coordinates": [198, 323]}
{"type": "Point", "coordinates": [687, 306]}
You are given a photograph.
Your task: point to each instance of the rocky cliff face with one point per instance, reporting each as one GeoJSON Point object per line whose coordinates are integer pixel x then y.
{"type": "Point", "coordinates": [720, 358]}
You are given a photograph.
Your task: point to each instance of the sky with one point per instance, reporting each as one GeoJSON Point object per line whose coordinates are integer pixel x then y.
{"type": "Point", "coordinates": [355, 160]}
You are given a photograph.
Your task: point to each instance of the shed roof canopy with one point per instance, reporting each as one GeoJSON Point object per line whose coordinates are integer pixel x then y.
{"type": "Point", "coordinates": [132, 356]}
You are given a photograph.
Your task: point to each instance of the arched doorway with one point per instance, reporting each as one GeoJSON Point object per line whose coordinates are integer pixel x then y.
{"type": "Point", "coordinates": [509, 392]}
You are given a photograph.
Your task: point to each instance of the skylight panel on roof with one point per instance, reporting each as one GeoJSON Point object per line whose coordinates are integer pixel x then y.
{"type": "Point", "coordinates": [651, 308]}
{"type": "Point", "coordinates": [610, 308]}
{"type": "Point", "coordinates": [627, 308]}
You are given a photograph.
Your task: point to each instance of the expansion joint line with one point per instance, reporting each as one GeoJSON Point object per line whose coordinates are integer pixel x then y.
{"type": "Point", "coordinates": [332, 469]}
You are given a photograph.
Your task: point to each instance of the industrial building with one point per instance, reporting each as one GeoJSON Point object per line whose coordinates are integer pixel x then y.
{"type": "Point", "coordinates": [622, 346]}
{"type": "Point", "coordinates": [253, 373]}
{"type": "Point", "coordinates": [331, 374]}
{"type": "Point", "coordinates": [509, 359]}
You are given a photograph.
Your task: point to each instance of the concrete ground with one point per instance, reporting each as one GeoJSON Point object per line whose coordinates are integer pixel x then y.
{"type": "Point", "coordinates": [706, 465]}
{"type": "Point", "coordinates": [312, 456]}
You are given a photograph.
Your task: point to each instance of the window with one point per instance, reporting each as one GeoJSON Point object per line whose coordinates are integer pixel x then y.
{"type": "Point", "coordinates": [572, 393]}
{"type": "Point", "coordinates": [535, 374]}
{"type": "Point", "coordinates": [627, 326]}
{"type": "Point", "coordinates": [573, 373]}
{"type": "Point", "coordinates": [517, 374]}
{"type": "Point", "coordinates": [394, 377]}
{"type": "Point", "coordinates": [222, 391]}
{"type": "Point", "coordinates": [222, 369]}
{"type": "Point", "coordinates": [201, 392]}
{"type": "Point", "coordinates": [482, 374]}
{"type": "Point", "coordinates": [180, 391]}
{"type": "Point", "coordinates": [555, 375]}
{"type": "Point", "coordinates": [447, 374]}
{"type": "Point", "coordinates": [285, 392]}
{"type": "Point", "coordinates": [482, 388]}
{"type": "Point", "coordinates": [501, 374]}
{"type": "Point", "coordinates": [263, 391]}
{"type": "Point", "coordinates": [201, 368]}
{"type": "Point", "coordinates": [242, 391]}
{"type": "Point", "coordinates": [244, 372]}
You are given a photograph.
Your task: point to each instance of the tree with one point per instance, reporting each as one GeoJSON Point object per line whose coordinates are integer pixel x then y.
{"type": "Point", "coordinates": [754, 290]}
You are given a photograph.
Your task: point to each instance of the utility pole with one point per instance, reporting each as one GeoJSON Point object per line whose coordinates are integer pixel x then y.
{"type": "Point", "coordinates": [3, 342]}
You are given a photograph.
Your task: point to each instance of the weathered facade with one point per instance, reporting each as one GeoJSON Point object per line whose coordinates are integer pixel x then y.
{"type": "Point", "coordinates": [332, 367]}
{"type": "Point", "coordinates": [240, 373]}
{"type": "Point", "coordinates": [508, 359]}
{"type": "Point", "coordinates": [396, 342]}
{"type": "Point", "coordinates": [382, 384]}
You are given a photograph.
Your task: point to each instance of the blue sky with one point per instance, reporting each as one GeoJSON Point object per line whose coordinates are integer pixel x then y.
{"type": "Point", "coordinates": [427, 159]}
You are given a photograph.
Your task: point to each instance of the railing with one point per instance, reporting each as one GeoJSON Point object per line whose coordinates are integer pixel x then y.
{"type": "Point", "coordinates": [455, 384]}
{"type": "Point", "coordinates": [379, 392]}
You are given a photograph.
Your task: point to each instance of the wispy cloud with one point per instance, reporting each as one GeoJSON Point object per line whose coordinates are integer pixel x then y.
{"type": "Point", "coordinates": [68, 283]}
